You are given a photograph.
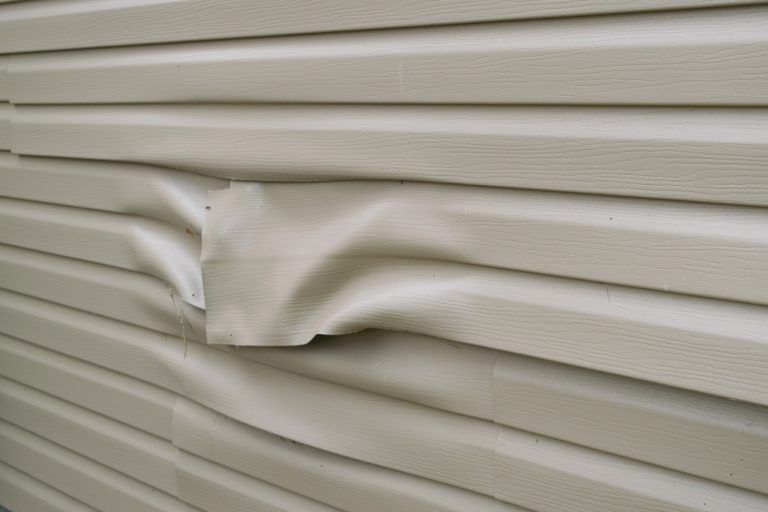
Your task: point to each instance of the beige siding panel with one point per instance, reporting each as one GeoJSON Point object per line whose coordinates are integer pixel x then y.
{"type": "Point", "coordinates": [445, 447]}
{"type": "Point", "coordinates": [693, 433]}
{"type": "Point", "coordinates": [47, 24]}
{"type": "Point", "coordinates": [491, 256]}
{"type": "Point", "coordinates": [22, 492]}
{"type": "Point", "coordinates": [510, 389]}
{"type": "Point", "coordinates": [88, 481]}
{"type": "Point", "coordinates": [4, 91]}
{"type": "Point", "coordinates": [217, 489]}
{"type": "Point", "coordinates": [139, 455]}
{"type": "Point", "coordinates": [339, 481]}
{"type": "Point", "coordinates": [123, 398]}
{"type": "Point", "coordinates": [293, 230]}
{"type": "Point", "coordinates": [146, 355]}
{"type": "Point", "coordinates": [438, 373]}
{"type": "Point", "coordinates": [690, 412]}
{"type": "Point", "coordinates": [704, 345]}
{"type": "Point", "coordinates": [124, 295]}
{"type": "Point", "coordinates": [551, 476]}
{"type": "Point", "coordinates": [163, 194]}
{"type": "Point", "coordinates": [6, 111]}
{"type": "Point", "coordinates": [708, 57]}
{"type": "Point", "coordinates": [133, 243]}
{"type": "Point", "coordinates": [714, 155]}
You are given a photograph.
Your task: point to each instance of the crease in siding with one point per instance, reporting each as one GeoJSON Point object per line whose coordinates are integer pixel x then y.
{"type": "Point", "coordinates": [526, 241]}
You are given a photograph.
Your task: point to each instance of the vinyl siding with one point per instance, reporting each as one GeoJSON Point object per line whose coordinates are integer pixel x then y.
{"type": "Point", "coordinates": [371, 257]}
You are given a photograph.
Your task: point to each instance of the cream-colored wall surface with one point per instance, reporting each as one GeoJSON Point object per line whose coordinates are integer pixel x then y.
{"type": "Point", "coordinates": [383, 256]}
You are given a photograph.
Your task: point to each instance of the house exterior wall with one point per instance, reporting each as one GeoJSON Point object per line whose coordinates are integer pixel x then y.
{"type": "Point", "coordinates": [382, 257]}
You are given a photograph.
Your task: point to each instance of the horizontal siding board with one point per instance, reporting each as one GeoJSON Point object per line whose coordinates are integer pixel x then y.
{"type": "Point", "coordinates": [714, 155]}
{"type": "Point", "coordinates": [123, 398]}
{"type": "Point", "coordinates": [550, 476]}
{"type": "Point", "coordinates": [343, 482]}
{"type": "Point", "coordinates": [297, 229]}
{"type": "Point", "coordinates": [136, 454]}
{"type": "Point", "coordinates": [519, 202]}
{"type": "Point", "coordinates": [22, 492]}
{"type": "Point", "coordinates": [83, 479]}
{"type": "Point", "coordinates": [240, 379]}
{"type": "Point", "coordinates": [708, 57]}
{"type": "Point", "coordinates": [46, 24]}
{"type": "Point", "coordinates": [166, 195]}
{"type": "Point", "coordinates": [4, 92]}
{"type": "Point", "coordinates": [425, 442]}
{"type": "Point", "coordinates": [217, 489]}
{"type": "Point", "coordinates": [124, 348]}
{"type": "Point", "coordinates": [124, 295]}
{"type": "Point", "coordinates": [459, 379]}
{"type": "Point", "coordinates": [449, 376]}
{"type": "Point", "coordinates": [693, 433]}
{"type": "Point", "coordinates": [129, 242]}
{"type": "Point", "coordinates": [713, 346]}
{"type": "Point", "coordinates": [6, 112]}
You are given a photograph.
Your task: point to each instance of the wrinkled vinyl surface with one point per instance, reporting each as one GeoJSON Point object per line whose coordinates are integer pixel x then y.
{"type": "Point", "coordinates": [371, 257]}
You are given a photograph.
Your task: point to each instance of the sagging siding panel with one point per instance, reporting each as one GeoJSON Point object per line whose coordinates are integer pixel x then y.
{"type": "Point", "coordinates": [513, 390]}
{"type": "Point", "coordinates": [166, 195]}
{"type": "Point", "coordinates": [695, 249]}
{"type": "Point", "coordinates": [600, 328]}
{"type": "Point", "coordinates": [127, 242]}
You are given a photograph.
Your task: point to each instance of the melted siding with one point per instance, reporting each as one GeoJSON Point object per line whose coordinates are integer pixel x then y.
{"type": "Point", "coordinates": [533, 273]}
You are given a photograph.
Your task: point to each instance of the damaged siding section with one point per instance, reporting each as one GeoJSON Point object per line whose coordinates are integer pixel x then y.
{"type": "Point", "coordinates": [371, 257]}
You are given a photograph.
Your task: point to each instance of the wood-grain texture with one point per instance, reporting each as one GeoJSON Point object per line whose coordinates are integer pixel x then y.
{"type": "Point", "coordinates": [708, 57]}
{"type": "Point", "coordinates": [421, 256]}
{"type": "Point", "coordinates": [712, 155]}
{"type": "Point", "coordinates": [47, 24]}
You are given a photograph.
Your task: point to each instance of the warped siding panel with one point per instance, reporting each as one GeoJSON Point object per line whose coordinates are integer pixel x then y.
{"type": "Point", "coordinates": [339, 481]}
{"type": "Point", "coordinates": [675, 247]}
{"type": "Point", "coordinates": [429, 371]}
{"type": "Point", "coordinates": [226, 401]}
{"type": "Point", "coordinates": [605, 412]}
{"type": "Point", "coordinates": [713, 57]}
{"type": "Point", "coordinates": [127, 242]}
{"type": "Point", "coordinates": [399, 435]}
{"type": "Point", "coordinates": [714, 155]}
{"type": "Point", "coordinates": [124, 295]}
{"type": "Point", "coordinates": [166, 195]}
{"type": "Point", "coordinates": [715, 346]}
{"type": "Point", "coordinates": [520, 390]}
{"type": "Point", "coordinates": [510, 457]}
{"type": "Point", "coordinates": [22, 492]}
{"type": "Point", "coordinates": [573, 298]}
{"type": "Point", "coordinates": [46, 24]}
